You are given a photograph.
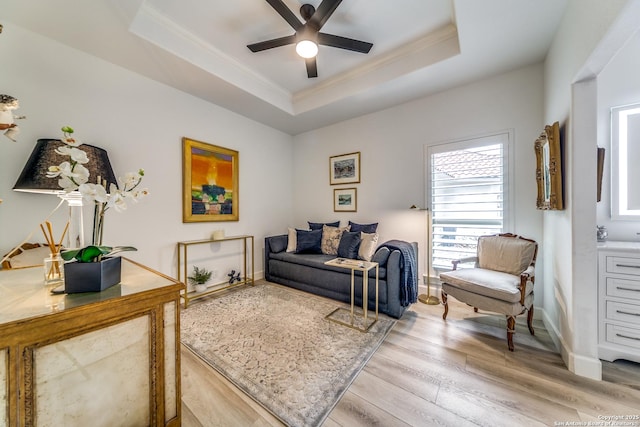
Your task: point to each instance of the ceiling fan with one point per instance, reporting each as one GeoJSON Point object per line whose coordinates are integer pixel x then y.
{"type": "Point", "coordinates": [308, 36]}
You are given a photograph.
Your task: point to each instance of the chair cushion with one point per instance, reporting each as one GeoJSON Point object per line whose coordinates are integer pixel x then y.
{"type": "Point", "coordinates": [489, 304]}
{"type": "Point", "coordinates": [506, 254]}
{"type": "Point", "coordinates": [490, 283]}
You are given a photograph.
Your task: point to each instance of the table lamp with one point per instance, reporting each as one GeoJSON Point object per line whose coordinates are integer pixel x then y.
{"type": "Point", "coordinates": [33, 179]}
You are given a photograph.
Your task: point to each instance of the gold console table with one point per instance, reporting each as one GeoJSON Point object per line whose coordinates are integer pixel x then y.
{"type": "Point", "coordinates": [247, 258]}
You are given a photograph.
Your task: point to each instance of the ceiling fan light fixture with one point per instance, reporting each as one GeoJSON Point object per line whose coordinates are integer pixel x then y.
{"type": "Point", "coordinates": [307, 49]}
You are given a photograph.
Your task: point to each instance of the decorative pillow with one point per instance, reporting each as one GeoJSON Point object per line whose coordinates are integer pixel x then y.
{"type": "Point", "coordinates": [368, 244]}
{"type": "Point", "coordinates": [331, 239]}
{"type": "Point", "coordinates": [381, 256]}
{"type": "Point", "coordinates": [293, 241]}
{"type": "Point", "coordinates": [308, 242]}
{"type": "Point", "coordinates": [349, 243]}
{"type": "Point", "coordinates": [277, 244]}
{"type": "Point", "coordinates": [318, 225]}
{"type": "Point", "coordinates": [365, 228]}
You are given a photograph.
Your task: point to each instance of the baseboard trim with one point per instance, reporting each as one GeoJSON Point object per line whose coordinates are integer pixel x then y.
{"type": "Point", "coordinates": [588, 367]}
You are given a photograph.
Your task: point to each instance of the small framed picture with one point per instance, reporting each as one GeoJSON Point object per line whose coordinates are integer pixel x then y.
{"type": "Point", "coordinates": [345, 200]}
{"type": "Point", "coordinates": [344, 169]}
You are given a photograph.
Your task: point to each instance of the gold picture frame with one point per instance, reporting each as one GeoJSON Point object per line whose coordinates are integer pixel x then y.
{"type": "Point", "coordinates": [549, 168]}
{"type": "Point", "coordinates": [210, 190]}
{"type": "Point", "coordinates": [345, 200]}
{"type": "Point", "coordinates": [344, 169]}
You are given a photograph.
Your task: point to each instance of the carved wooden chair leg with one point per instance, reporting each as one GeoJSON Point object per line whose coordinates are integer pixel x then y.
{"type": "Point", "coordinates": [530, 320]}
{"type": "Point", "coordinates": [511, 329]}
{"type": "Point", "coordinates": [446, 306]}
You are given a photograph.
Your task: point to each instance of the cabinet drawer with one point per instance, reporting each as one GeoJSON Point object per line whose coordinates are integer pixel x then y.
{"type": "Point", "coordinates": [624, 336]}
{"type": "Point", "coordinates": [623, 312]}
{"type": "Point", "coordinates": [623, 288]}
{"type": "Point", "coordinates": [623, 265]}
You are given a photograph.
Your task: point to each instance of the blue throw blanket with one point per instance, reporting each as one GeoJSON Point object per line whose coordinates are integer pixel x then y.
{"type": "Point", "coordinates": [409, 266]}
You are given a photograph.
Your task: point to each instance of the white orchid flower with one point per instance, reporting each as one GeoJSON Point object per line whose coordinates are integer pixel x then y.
{"type": "Point", "coordinates": [130, 180]}
{"type": "Point", "coordinates": [139, 194]}
{"type": "Point", "coordinates": [67, 184]}
{"type": "Point", "coordinates": [72, 142]}
{"type": "Point", "coordinates": [118, 201]}
{"type": "Point", "coordinates": [76, 154]}
{"type": "Point", "coordinates": [63, 168]}
{"type": "Point", "coordinates": [93, 192]}
{"type": "Point", "coordinates": [70, 176]}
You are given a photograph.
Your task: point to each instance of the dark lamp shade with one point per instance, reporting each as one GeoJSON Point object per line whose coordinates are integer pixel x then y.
{"type": "Point", "coordinates": [33, 178]}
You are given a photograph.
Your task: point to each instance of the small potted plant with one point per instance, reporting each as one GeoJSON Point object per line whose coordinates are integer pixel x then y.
{"type": "Point", "coordinates": [199, 278]}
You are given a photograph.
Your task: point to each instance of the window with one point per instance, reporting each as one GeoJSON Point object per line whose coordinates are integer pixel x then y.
{"type": "Point", "coordinates": [467, 194]}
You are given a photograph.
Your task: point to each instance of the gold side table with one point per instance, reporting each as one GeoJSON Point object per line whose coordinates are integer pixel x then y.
{"type": "Point", "coordinates": [363, 266]}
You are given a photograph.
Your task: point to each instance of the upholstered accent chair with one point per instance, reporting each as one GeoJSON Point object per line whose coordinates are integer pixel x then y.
{"type": "Point", "coordinates": [501, 280]}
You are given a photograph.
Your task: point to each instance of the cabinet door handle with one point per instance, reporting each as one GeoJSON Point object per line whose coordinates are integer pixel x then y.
{"type": "Point", "coordinates": [627, 266]}
{"type": "Point", "coordinates": [628, 337]}
{"type": "Point", "coordinates": [627, 289]}
{"type": "Point", "coordinates": [628, 313]}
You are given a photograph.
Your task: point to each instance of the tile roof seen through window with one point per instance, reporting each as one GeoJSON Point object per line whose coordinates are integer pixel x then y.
{"type": "Point", "coordinates": [468, 164]}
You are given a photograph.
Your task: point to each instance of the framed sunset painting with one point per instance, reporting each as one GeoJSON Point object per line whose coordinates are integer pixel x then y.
{"type": "Point", "coordinates": [210, 182]}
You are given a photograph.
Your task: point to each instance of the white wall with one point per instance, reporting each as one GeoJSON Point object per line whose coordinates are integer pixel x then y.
{"type": "Point", "coordinates": [140, 123]}
{"type": "Point", "coordinates": [569, 248]}
{"type": "Point", "coordinates": [392, 142]}
{"type": "Point", "coordinates": [618, 84]}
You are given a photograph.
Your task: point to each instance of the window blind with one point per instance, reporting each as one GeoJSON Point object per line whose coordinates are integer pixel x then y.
{"type": "Point", "coordinates": [468, 184]}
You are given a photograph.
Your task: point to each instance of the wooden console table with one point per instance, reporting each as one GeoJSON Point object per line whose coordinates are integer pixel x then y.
{"type": "Point", "coordinates": [247, 258]}
{"type": "Point", "coordinates": [98, 358]}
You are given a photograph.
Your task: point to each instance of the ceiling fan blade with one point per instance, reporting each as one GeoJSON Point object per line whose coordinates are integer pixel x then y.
{"type": "Point", "coordinates": [312, 67]}
{"type": "Point", "coordinates": [344, 43]}
{"type": "Point", "coordinates": [270, 44]}
{"type": "Point", "coordinates": [286, 13]}
{"type": "Point", "coordinates": [323, 13]}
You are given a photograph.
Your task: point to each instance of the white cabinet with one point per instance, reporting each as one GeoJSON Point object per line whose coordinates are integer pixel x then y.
{"type": "Point", "coordinates": [619, 301]}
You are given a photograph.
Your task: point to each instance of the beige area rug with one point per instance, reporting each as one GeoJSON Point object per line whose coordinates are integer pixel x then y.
{"type": "Point", "coordinates": [275, 344]}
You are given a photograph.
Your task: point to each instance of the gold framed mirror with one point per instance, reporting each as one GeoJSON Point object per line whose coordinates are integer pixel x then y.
{"type": "Point", "coordinates": [549, 168]}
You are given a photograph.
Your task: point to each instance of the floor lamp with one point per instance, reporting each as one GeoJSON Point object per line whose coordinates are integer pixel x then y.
{"type": "Point", "coordinates": [427, 298]}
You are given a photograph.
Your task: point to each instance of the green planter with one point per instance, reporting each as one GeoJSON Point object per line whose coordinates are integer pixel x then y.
{"type": "Point", "coordinates": [92, 276]}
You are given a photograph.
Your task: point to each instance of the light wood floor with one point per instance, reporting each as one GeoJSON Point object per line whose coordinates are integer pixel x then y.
{"type": "Point", "coordinates": [432, 372]}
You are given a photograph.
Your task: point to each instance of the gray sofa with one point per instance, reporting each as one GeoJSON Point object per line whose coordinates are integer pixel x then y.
{"type": "Point", "coordinates": [308, 272]}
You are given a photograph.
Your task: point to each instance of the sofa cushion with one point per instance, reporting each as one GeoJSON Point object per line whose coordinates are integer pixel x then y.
{"type": "Point", "coordinates": [318, 261]}
{"type": "Point", "coordinates": [331, 239]}
{"type": "Point", "coordinates": [507, 254]}
{"type": "Point", "coordinates": [368, 244]}
{"type": "Point", "coordinates": [308, 242]}
{"type": "Point", "coordinates": [318, 225]}
{"type": "Point", "coordinates": [489, 283]}
{"type": "Point", "coordinates": [365, 228]}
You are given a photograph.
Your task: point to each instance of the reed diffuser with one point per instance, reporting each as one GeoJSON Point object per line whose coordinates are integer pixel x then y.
{"type": "Point", "coordinates": [53, 265]}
